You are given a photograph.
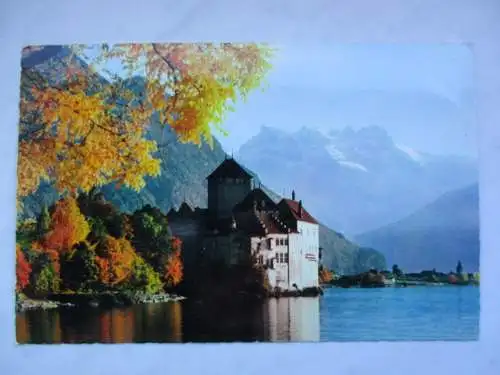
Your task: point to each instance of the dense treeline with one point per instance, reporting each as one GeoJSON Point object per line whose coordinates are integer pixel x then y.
{"type": "Point", "coordinates": [86, 245]}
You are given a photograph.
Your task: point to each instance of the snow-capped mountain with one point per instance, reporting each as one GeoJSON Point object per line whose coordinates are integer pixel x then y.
{"type": "Point", "coordinates": [354, 180]}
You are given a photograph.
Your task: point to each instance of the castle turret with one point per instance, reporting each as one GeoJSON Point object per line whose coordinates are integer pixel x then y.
{"type": "Point", "coordinates": [228, 185]}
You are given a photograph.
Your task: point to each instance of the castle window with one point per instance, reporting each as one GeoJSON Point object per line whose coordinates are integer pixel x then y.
{"type": "Point", "coordinates": [277, 242]}
{"type": "Point", "coordinates": [281, 241]}
{"type": "Point", "coordinates": [286, 258]}
{"type": "Point", "coordinates": [286, 241]}
{"type": "Point", "coordinates": [261, 259]}
{"type": "Point", "coordinates": [282, 258]}
{"type": "Point", "coordinates": [269, 243]}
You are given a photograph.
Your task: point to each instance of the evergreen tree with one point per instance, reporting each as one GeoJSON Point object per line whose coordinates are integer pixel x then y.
{"type": "Point", "coordinates": [396, 271]}
{"type": "Point", "coordinates": [43, 222]}
{"type": "Point", "coordinates": [459, 268]}
{"type": "Point", "coordinates": [79, 269]}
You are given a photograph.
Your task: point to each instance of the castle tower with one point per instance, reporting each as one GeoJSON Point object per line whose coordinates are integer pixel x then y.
{"type": "Point", "coordinates": [228, 185]}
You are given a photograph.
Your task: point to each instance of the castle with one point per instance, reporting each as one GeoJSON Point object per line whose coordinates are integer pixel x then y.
{"type": "Point", "coordinates": [243, 223]}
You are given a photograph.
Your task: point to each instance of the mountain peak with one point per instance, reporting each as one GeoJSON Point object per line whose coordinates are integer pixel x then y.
{"type": "Point", "coordinates": [372, 133]}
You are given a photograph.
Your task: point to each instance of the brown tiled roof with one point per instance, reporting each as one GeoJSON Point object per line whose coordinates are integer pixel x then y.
{"type": "Point", "coordinates": [258, 223]}
{"type": "Point", "coordinates": [230, 168]}
{"type": "Point", "coordinates": [271, 223]}
{"type": "Point", "coordinates": [293, 208]}
{"type": "Point", "coordinates": [251, 223]}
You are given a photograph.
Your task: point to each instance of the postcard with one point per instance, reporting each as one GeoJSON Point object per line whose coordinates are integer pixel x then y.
{"type": "Point", "coordinates": [246, 192]}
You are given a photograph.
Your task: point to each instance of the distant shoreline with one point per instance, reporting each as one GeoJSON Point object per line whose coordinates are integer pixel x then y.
{"type": "Point", "coordinates": [409, 285]}
{"type": "Point", "coordinates": [383, 279]}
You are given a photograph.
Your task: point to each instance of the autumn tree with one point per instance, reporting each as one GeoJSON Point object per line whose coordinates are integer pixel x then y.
{"type": "Point", "coordinates": [23, 270]}
{"type": "Point", "coordinates": [173, 267]}
{"type": "Point", "coordinates": [103, 216]}
{"type": "Point", "coordinates": [68, 226]}
{"type": "Point", "coordinates": [144, 278]}
{"type": "Point", "coordinates": [79, 130]}
{"type": "Point", "coordinates": [325, 275]}
{"type": "Point", "coordinates": [115, 259]}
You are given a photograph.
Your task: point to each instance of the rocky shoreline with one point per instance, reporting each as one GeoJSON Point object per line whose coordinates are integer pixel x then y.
{"type": "Point", "coordinates": [106, 300]}
{"type": "Point", "coordinates": [33, 304]}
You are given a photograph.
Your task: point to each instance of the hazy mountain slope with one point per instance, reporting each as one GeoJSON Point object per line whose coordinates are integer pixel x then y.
{"type": "Point", "coordinates": [353, 180]}
{"type": "Point", "coordinates": [183, 171]}
{"type": "Point", "coordinates": [436, 236]}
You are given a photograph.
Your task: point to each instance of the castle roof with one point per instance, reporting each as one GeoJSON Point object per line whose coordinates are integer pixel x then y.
{"type": "Point", "coordinates": [186, 211]}
{"type": "Point", "coordinates": [296, 211]}
{"type": "Point", "coordinates": [258, 196]}
{"type": "Point", "coordinates": [252, 223]}
{"type": "Point", "coordinates": [185, 208]}
{"type": "Point", "coordinates": [259, 223]}
{"type": "Point", "coordinates": [231, 169]}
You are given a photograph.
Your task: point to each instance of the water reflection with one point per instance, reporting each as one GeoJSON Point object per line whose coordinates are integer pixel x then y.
{"type": "Point", "coordinates": [293, 319]}
{"type": "Point", "coordinates": [285, 319]}
{"type": "Point", "coordinates": [419, 313]}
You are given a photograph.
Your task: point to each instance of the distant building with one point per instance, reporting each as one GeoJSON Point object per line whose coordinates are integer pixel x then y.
{"type": "Point", "coordinates": [243, 224]}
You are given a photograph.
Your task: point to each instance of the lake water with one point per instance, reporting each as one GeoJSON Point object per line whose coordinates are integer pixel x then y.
{"type": "Point", "coordinates": [414, 313]}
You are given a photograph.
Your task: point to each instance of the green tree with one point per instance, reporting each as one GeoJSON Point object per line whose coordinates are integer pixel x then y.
{"type": "Point", "coordinates": [79, 270]}
{"type": "Point", "coordinates": [43, 222]}
{"type": "Point", "coordinates": [98, 230]}
{"type": "Point", "coordinates": [144, 278]}
{"type": "Point", "coordinates": [45, 281]}
{"type": "Point", "coordinates": [396, 271]}
{"type": "Point", "coordinates": [151, 236]}
{"type": "Point", "coordinates": [106, 217]}
{"type": "Point", "coordinates": [459, 268]}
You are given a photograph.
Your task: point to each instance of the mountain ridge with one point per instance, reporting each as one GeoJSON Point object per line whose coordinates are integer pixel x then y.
{"type": "Point", "coordinates": [362, 178]}
{"type": "Point", "coordinates": [436, 236]}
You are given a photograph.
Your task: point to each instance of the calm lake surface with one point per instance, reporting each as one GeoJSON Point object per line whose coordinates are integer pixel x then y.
{"type": "Point", "coordinates": [415, 313]}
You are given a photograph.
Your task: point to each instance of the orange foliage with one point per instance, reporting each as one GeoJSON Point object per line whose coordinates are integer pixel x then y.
{"type": "Point", "coordinates": [116, 260]}
{"type": "Point", "coordinates": [174, 267]}
{"type": "Point", "coordinates": [176, 245]}
{"type": "Point", "coordinates": [84, 133]}
{"type": "Point", "coordinates": [23, 270]}
{"type": "Point", "coordinates": [68, 226]}
{"type": "Point", "coordinates": [325, 276]}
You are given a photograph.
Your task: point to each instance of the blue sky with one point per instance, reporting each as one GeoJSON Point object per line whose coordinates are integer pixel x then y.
{"type": "Point", "coordinates": [420, 93]}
